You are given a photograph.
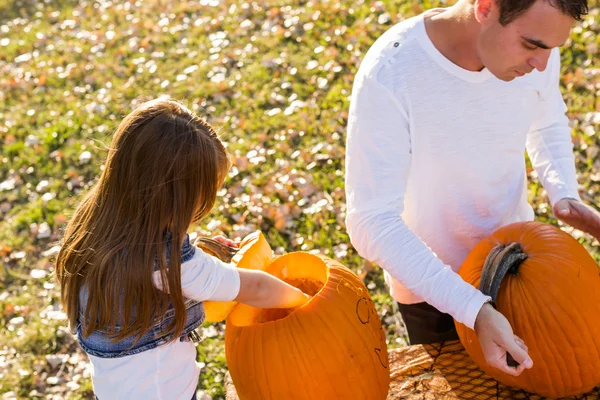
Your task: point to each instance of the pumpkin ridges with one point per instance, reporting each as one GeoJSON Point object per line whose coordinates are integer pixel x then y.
{"type": "Point", "coordinates": [278, 363]}
{"type": "Point", "coordinates": [511, 313]}
{"type": "Point", "coordinates": [317, 360]}
{"type": "Point", "coordinates": [577, 327]}
{"type": "Point", "coordinates": [263, 361]}
{"type": "Point", "coordinates": [383, 381]}
{"type": "Point", "coordinates": [310, 327]}
{"type": "Point", "coordinates": [562, 277]}
{"type": "Point", "coordinates": [253, 338]}
{"type": "Point", "coordinates": [366, 367]}
{"type": "Point", "coordinates": [344, 342]}
{"type": "Point", "coordinates": [538, 347]}
{"type": "Point", "coordinates": [522, 327]}
{"type": "Point", "coordinates": [560, 255]}
{"type": "Point", "coordinates": [338, 279]}
{"type": "Point", "coordinates": [507, 311]}
{"type": "Point", "coordinates": [567, 305]}
{"type": "Point", "coordinates": [237, 340]}
{"type": "Point", "coordinates": [562, 378]}
{"type": "Point", "coordinates": [560, 338]}
{"type": "Point", "coordinates": [282, 347]}
{"type": "Point", "coordinates": [298, 356]}
{"type": "Point", "coordinates": [561, 328]}
{"type": "Point", "coordinates": [338, 276]}
{"type": "Point", "coordinates": [298, 359]}
{"type": "Point", "coordinates": [253, 385]}
{"type": "Point", "coordinates": [320, 361]}
{"type": "Point", "coordinates": [329, 368]}
{"type": "Point", "coordinates": [544, 240]}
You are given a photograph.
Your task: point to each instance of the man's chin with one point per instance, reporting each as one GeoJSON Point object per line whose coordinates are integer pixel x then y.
{"type": "Point", "coordinates": [504, 77]}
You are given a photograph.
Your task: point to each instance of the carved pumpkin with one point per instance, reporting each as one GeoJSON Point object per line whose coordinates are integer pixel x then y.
{"type": "Point", "coordinates": [548, 287]}
{"type": "Point", "coordinates": [333, 347]}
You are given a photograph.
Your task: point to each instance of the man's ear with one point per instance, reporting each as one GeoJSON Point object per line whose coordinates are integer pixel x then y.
{"type": "Point", "coordinates": [485, 10]}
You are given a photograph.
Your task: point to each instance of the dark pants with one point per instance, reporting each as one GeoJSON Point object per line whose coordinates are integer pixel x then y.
{"type": "Point", "coordinates": [425, 324]}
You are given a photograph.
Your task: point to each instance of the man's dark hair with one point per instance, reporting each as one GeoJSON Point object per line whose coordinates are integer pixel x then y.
{"type": "Point", "coordinates": [511, 9]}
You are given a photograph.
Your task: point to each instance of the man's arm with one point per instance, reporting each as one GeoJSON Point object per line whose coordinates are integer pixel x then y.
{"type": "Point", "coordinates": [378, 155]}
{"type": "Point", "coordinates": [550, 149]}
{"type": "Point", "coordinates": [549, 143]}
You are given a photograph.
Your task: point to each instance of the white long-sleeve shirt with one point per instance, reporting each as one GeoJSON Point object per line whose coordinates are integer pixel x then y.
{"type": "Point", "coordinates": [435, 162]}
{"type": "Point", "coordinates": [170, 371]}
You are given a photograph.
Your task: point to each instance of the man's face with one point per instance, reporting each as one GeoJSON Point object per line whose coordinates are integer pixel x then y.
{"type": "Point", "coordinates": [522, 45]}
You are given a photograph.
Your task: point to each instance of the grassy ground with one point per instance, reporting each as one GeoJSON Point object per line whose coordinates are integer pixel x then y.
{"type": "Point", "coordinates": [273, 77]}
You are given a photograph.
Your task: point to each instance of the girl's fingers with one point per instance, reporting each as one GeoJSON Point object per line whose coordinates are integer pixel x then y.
{"type": "Point", "coordinates": [223, 240]}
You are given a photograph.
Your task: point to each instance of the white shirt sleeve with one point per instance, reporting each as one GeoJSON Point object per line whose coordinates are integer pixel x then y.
{"type": "Point", "coordinates": [378, 160]}
{"type": "Point", "coordinates": [549, 143]}
{"type": "Point", "coordinates": [205, 277]}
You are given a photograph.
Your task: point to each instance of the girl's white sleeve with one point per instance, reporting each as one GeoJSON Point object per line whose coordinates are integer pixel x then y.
{"type": "Point", "coordinates": [205, 277]}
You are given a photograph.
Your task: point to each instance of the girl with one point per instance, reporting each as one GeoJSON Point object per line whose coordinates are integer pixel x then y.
{"type": "Point", "coordinates": [131, 283]}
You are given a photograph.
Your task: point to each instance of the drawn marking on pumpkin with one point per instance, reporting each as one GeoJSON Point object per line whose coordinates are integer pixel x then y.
{"type": "Point", "coordinates": [345, 284]}
{"type": "Point", "coordinates": [363, 311]}
{"type": "Point", "coordinates": [382, 356]}
{"type": "Point", "coordinates": [382, 360]}
{"type": "Point", "coordinates": [364, 308]}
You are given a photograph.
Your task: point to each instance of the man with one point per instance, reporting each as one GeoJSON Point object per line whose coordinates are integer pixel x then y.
{"type": "Point", "coordinates": [443, 107]}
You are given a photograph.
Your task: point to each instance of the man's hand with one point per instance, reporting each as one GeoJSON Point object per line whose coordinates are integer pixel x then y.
{"type": "Point", "coordinates": [578, 215]}
{"type": "Point", "coordinates": [496, 338]}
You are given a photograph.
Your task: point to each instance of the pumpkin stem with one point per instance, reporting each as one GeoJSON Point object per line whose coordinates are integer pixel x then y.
{"type": "Point", "coordinates": [502, 259]}
{"type": "Point", "coordinates": [221, 251]}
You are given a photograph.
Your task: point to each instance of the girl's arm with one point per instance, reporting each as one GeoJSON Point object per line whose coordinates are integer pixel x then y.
{"type": "Point", "coordinates": [260, 289]}
{"type": "Point", "coordinates": [205, 277]}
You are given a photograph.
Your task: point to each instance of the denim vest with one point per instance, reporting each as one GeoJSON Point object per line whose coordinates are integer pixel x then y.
{"type": "Point", "coordinates": [99, 344]}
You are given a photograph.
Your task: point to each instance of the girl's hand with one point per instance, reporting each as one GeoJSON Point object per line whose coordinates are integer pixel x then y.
{"type": "Point", "coordinates": [227, 242]}
{"type": "Point", "coordinates": [262, 290]}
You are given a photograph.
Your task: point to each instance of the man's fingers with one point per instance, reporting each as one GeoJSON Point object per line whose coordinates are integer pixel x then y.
{"type": "Point", "coordinates": [519, 354]}
{"type": "Point", "coordinates": [514, 371]}
{"type": "Point", "coordinates": [590, 216]}
{"type": "Point", "coordinates": [585, 219]}
{"type": "Point", "coordinates": [521, 343]}
{"type": "Point", "coordinates": [579, 216]}
{"type": "Point", "coordinates": [497, 359]}
{"type": "Point", "coordinates": [562, 208]}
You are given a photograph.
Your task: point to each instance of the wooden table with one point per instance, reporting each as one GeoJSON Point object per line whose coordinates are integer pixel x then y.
{"type": "Point", "coordinates": [440, 371]}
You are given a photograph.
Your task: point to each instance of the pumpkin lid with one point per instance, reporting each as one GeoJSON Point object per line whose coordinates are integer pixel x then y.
{"type": "Point", "coordinates": [254, 253]}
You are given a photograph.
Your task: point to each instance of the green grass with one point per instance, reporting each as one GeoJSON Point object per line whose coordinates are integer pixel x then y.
{"type": "Point", "coordinates": [274, 79]}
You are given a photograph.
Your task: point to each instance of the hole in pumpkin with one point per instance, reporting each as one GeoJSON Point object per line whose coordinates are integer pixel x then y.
{"type": "Point", "coordinates": [308, 286]}
{"type": "Point", "coordinates": [305, 271]}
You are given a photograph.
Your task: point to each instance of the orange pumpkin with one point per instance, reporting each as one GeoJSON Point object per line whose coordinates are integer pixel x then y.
{"type": "Point", "coordinates": [332, 347]}
{"type": "Point", "coordinates": [548, 287]}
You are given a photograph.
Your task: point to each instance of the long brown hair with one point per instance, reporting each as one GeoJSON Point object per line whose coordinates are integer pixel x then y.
{"type": "Point", "coordinates": [162, 173]}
